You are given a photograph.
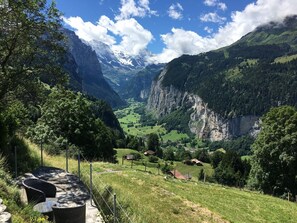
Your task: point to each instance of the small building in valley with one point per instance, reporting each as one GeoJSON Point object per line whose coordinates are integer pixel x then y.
{"type": "Point", "coordinates": [149, 153]}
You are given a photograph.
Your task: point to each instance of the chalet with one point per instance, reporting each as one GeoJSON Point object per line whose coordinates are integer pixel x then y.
{"type": "Point", "coordinates": [176, 174]}
{"type": "Point", "coordinates": [196, 162]}
{"type": "Point", "coordinates": [129, 157]}
{"type": "Point", "coordinates": [149, 153]}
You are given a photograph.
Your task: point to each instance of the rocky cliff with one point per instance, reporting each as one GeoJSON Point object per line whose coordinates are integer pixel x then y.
{"type": "Point", "coordinates": [139, 85]}
{"type": "Point", "coordinates": [204, 122]}
{"type": "Point", "coordinates": [226, 90]}
{"type": "Point", "coordinates": [84, 63]}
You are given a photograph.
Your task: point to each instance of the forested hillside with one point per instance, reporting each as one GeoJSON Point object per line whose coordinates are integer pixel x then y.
{"type": "Point", "coordinates": [247, 78]}
{"type": "Point", "coordinates": [36, 63]}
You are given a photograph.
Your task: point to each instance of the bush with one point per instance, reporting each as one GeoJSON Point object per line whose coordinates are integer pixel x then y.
{"type": "Point", "coordinates": [153, 159]}
{"type": "Point", "coordinates": [166, 168]}
{"type": "Point", "coordinates": [136, 156]}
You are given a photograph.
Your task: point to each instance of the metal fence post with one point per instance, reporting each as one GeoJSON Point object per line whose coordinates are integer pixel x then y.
{"type": "Point", "coordinates": [78, 160]}
{"type": "Point", "coordinates": [91, 182]}
{"type": "Point", "coordinates": [66, 158]}
{"type": "Point", "coordinates": [114, 208]}
{"type": "Point", "coordinates": [41, 154]}
{"type": "Point", "coordinates": [16, 162]}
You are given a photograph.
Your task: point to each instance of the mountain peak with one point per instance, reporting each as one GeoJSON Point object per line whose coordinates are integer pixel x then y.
{"type": "Point", "coordinates": [116, 58]}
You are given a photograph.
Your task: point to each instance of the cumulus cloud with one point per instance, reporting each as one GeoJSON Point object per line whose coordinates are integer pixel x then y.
{"type": "Point", "coordinates": [175, 11]}
{"type": "Point", "coordinates": [180, 41]}
{"type": "Point", "coordinates": [89, 31]}
{"type": "Point", "coordinates": [134, 38]}
{"type": "Point", "coordinates": [213, 3]}
{"type": "Point", "coordinates": [130, 9]}
{"type": "Point", "coordinates": [212, 17]}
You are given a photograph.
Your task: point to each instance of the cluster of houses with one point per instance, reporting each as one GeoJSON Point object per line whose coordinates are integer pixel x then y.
{"type": "Point", "coordinates": [146, 153]}
{"type": "Point", "coordinates": [176, 174]}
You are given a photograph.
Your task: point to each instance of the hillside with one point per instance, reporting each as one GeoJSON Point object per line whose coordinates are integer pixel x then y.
{"type": "Point", "coordinates": [243, 80]}
{"type": "Point", "coordinates": [149, 197]}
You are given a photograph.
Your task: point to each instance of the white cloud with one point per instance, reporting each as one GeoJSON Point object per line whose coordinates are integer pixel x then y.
{"type": "Point", "coordinates": [208, 29]}
{"type": "Point", "coordinates": [222, 6]}
{"type": "Point", "coordinates": [130, 9]}
{"type": "Point", "coordinates": [134, 38]}
{"type": "Point", "coordinates": [210, 2]}
{"type": "Point", "coordinates": [213, 3]}
{"type": "Point", "coordinates": [175, 11]}
{"type": "Point", "coordinates": [180, 41]}
{"type": "Point", "coordinates": [89, 31]}
{"type": "Point", "coordinates": [212, 17]}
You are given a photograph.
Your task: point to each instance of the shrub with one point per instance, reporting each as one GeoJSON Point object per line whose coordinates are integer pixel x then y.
{"type": "Point", "coordinates": [153, 159]}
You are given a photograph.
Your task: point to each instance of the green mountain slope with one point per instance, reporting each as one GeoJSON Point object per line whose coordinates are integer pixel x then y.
{"type": "Point", "coordinates": [247, 78]}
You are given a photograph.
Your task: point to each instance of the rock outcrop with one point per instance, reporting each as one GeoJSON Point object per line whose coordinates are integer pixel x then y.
{"type": "Point", "coordinates": [5, 217]}
{"type": "Point", "coordinates": [204, 122]}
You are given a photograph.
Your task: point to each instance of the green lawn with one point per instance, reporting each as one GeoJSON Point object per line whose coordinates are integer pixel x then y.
{"type": "Point", "coordinates": [193, 170]}
{"type": "Point", "coordinates": [174, 136]}
{"type": "Point", "coordinates": [130, 122]}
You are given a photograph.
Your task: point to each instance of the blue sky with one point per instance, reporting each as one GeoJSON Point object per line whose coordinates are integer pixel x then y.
{"type": "Point", "coordinates": [169, 28]}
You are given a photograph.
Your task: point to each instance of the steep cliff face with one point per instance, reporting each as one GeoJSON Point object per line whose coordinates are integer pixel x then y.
{"type": "Point", "coordinates": [204, 122]}
{"type": "Point", "coordinates": [226, 90]}
{"type": "Point", "coordinates": [84, 59]}
{"type": "Point", "coordinates": [139, 85]}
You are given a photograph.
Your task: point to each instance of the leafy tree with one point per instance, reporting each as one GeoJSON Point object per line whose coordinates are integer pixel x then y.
{"type": "Point", "coordinates": [183, 154]}
{"type": "Point", "coordinates": [231, 170]}
{"type": "Point", "coordinates": [31, 47]}
{"type": "Point", "coordinates": [216, 158]}
{"type": "Point", "coordinates": [153, 144]}
{"type": "Point", "coordinates": [133, 142]}
{"type": "Point", "coordinates": [202, 155]}
{"type": "Point", "coordinates": [68, 118]}
{"type": "Point", "coordinates": [168, 154]}
{"type": "Point", "coordinates": [274, 162]}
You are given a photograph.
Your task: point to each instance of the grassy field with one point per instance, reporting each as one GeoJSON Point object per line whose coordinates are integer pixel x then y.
{"type": "Point", "coordinates": [285, 59]}
{"type": "Point", "coordinates": [148, 197]}
{"type": "Point", "coordinates": [130, 122]}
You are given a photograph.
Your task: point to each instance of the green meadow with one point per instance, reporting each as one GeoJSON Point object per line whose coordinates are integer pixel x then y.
{"type": "Point", "coordinates": [130, 122]}
{"type": "Point", "coordinates": [149, 197]}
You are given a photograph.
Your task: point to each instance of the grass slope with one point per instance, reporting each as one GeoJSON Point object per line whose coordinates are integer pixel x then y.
{"type": "Point", "coordinates": [149, 197]}
{"type": "Point", "coordinates": [152, 199]}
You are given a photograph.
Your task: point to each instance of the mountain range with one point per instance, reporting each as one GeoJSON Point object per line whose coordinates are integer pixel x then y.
{"type": "Point", "coordinates": [221, 94]}
{"type": "Point", "coordinates": [118, 67]}
{"type": "Point", "coordinates": [85, 71]}
{"type": "Point", "coordinates": [226, 91]}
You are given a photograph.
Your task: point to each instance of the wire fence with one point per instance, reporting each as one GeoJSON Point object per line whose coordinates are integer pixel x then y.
{"type": "Point", "coordinates": [102, 195]}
